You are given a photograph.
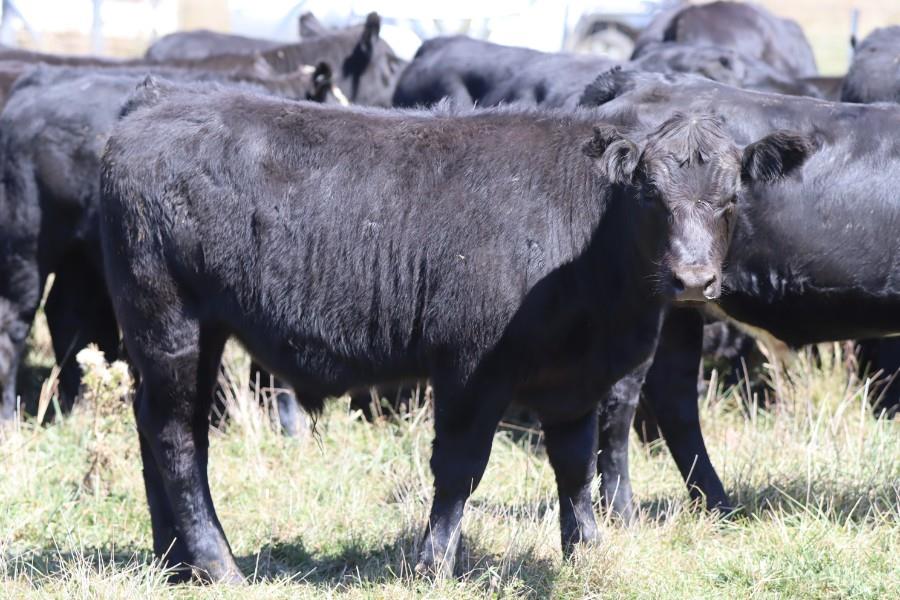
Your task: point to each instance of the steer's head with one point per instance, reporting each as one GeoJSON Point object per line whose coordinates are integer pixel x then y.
{"type": "Point", "coordinates": [687, 176]}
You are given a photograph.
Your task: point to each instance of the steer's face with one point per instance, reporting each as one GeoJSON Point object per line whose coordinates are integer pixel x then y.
{"type": "Point", "coordinates": [688, 174]}
{"type": "Point", "coordinates": [692, 170]}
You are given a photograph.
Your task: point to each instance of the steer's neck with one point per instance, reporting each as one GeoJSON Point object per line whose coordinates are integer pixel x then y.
{"type": "Point", "coordinates": [626, 279]}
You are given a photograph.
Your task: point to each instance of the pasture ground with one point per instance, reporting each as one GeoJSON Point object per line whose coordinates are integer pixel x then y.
{"type": "Point", "coordinates": [338, 514]}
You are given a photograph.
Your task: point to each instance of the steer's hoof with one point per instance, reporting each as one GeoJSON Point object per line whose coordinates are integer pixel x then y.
{"type": "Point", "coordinates": [440, 570]}
{"type": "Point", "coordinates": [216, 571]}
{"type": "Point", "coordinates": [219, 574]}
{"type": "Point", "coordinates": [726, 511]}
{"type": "Point", "coordinates": [439, 567]}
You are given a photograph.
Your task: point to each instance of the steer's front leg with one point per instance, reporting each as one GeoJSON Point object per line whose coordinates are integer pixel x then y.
{"type": "Point", "coordinates": [616, 414]}
{"type": "Point", "coordinates": [572, 450]}
{"type": "Point", "coordinates": [464, 431]}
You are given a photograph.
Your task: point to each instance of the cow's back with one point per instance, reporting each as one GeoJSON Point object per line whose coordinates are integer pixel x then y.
{"type": "Point", "coordinates": [201, 43]}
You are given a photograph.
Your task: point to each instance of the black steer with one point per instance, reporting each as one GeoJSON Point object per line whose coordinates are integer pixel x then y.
{"type": "Point", "coordinates": [504, 254]}
{"type": "Point", "coordinates": [807, 262]}
{"type": "Point", "coordinates": [874, 75]}
{"type": "Point", "coordinates": [722, 64]}
{"type": "Point", "coordinates": [751, 30]}
{"type": "Point", "coordinates": [52, 134]}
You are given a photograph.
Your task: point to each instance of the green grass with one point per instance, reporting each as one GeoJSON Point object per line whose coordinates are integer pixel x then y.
{"type": "Point", "coordinates": [339, 513]}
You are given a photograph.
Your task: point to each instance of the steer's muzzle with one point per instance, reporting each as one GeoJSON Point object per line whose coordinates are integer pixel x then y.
{"type": "Point", "coordinates": [695, 283]}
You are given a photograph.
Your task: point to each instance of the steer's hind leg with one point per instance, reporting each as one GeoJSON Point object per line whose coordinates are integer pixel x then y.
{"type": "Point", "coordinates": [178, 368]}
{"type": "Point", "coordinates": [78, 312]}
{"type": "Point", "coordinates": [167, 542]}
{"type": "Point", "coordinates": [20, 294]}
{"type": "Point", "coordinates": [572, 450]}
{"type": "Point", "coordinates": [464, 424]}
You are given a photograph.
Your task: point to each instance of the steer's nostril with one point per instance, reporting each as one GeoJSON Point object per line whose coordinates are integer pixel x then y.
{"type": "Point", "coordinates": [678, 285]}
{"type": "Point", "coordinates": [711, 288]}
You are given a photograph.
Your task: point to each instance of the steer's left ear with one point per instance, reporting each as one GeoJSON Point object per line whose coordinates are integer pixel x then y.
{"type": "Point", "coordinates": [614, 156]}
{"type": "Point", "coordinates": [776, 155]}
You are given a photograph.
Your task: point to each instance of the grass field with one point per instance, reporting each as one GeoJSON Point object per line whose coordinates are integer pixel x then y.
{"type": "Point", "coordinates": [338, 514]}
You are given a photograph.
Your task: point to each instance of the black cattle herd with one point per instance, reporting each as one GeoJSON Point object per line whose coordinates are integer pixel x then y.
{"type": "Point", "coordinates": [552, 231]}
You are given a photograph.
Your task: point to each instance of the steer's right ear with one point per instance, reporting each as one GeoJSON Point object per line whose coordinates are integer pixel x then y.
{"type": "Point", "coordinates": [614, 156]}
{"type": "Point", "coordinates": [776, 155]}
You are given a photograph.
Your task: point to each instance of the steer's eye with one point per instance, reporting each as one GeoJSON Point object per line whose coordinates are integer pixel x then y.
{"type": "Point", "coordinates": [726, 209]}
{"type": "Point", "coordinates": [651, 194]}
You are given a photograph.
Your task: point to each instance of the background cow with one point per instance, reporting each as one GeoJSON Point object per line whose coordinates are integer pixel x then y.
{"type": "Point", "coordinates": [801, 272]}
{"type": "Point", "coordinates": [873, 74]}
{"type": "Point", "coordinates": [474, 72]}
{"type": "Point", "coordinates": [52, 134]}
{"type": "Point", "coordinates": [199, 44]}
{"type": "Point", "coordinates": [748, 28]}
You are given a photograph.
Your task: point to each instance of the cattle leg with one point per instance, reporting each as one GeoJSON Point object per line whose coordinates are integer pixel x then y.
{"type": "Point", "coordinates": [645, 424]}
{"type": "Point", "coordinates": [572, 450]}
{"type": "Point", "coordinates": [464, 432]}
{"type": "Point", "coordinates": [78, 312]}
{"type": "Point", "coordinates": [882, 354]}
{"type": "Point", "coordinates": [168, 544]}
{"type": "Point", "coordinates": [671, 391]}
{"type": "Point", "coordinates": [11, 351]}
{"type": "Point", "coordinates": [178, 374]}
{"type": "Point", "coordinates": [616, 415]}
{"type": "Point", "coordinates": [17, 311]}
{"type": "Point", "coordinates": [291, 416]}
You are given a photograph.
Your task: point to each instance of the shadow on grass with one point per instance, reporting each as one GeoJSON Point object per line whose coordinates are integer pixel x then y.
{"type": "Point", "coordinates": [56, 563]}
{"type": "Point", "coordinates": [359, 565]}
{"type": "Point", "coordinates": [355, 565]}
{"type": "Point", "coordinates": [835, 501]}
